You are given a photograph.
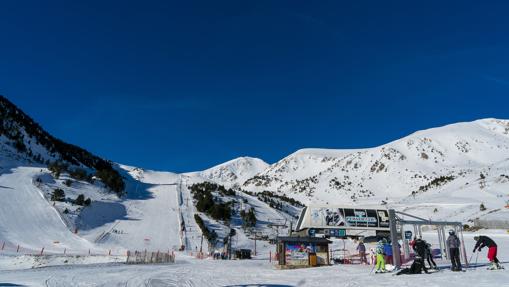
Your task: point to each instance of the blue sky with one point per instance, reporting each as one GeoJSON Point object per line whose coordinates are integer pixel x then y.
{"type": "Point", "coordinates": [184, 85]}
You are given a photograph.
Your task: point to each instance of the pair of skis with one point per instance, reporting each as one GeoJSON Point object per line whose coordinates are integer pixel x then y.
{"type": "Point", "coordinates": [499, 267]}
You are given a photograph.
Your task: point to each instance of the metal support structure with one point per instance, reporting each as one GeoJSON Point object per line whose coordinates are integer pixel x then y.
{"type": "Point", "coordinates": [447, 251]}
{"type": "Point", "coordinates": [441, 242]}
{"type": "Point", "coordinates": [463, 250]}
{"type": "Point", "coordinates": [417, 223]}
{"type": "Point", "coordinates": [394, 238]}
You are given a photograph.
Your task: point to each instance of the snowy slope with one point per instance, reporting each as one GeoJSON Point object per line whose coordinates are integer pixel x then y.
{"type": "Point", "coordinates": [233, 173]}
{"type": "Point", "coordinates": [152, 216]}
{"type": "Point", "coordinates": [27, 218]}
{"type": "Point", "coordinates": [441, 166]}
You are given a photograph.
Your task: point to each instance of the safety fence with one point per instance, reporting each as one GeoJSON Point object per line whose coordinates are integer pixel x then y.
{"type": "Point", "coordinates": [18, 249]}
{"type": "Point", "coordinates": [491, 223]}
{"type": "Point", "coordinates": [144, 257]}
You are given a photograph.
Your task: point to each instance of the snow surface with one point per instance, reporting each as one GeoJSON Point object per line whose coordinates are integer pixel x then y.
{"type": "Point", "coordinates": [27, 219]}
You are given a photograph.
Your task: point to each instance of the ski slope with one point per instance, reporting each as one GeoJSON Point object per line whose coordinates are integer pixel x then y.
{"type": "Point", "coordinates": [150, 223]}
{"type": "Point", "coordinates": [148, 218]}
{"type": "Point", "coordinates": [27, 218]}
{"type": "Point", "coordinates": [154, 210]}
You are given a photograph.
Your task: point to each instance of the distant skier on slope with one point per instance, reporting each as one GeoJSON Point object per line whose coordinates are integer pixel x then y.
{"type": "Point", "coordinates": [454, 249]}
{"type": "Point", "coordinates": [485, 241]}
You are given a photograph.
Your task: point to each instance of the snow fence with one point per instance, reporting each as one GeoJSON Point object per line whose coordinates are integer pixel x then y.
{"type": "Point", "coordinates": [144, 257]}
{"type": "Point", "coordinates": [492, 223]}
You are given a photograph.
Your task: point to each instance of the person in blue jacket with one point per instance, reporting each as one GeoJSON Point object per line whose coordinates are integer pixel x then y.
{"type": "Point", "coordinates": [388, 253]}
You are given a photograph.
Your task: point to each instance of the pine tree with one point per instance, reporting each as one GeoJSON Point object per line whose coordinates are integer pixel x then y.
{"type": "Point", "coordinates": [80, 200]}
{"type": "Point", "coordinates": [58, 195]}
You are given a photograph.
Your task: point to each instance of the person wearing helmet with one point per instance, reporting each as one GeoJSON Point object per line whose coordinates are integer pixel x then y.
{"type": "Point", "coordinates": [454, 250]}
{"type": "Point", "coordinates": [380, 260]}
{"type": "Point", "coordinates": [485, 241]}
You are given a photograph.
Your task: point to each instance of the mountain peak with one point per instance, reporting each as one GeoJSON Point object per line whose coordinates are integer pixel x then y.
{"type": "Point", "coordinates": [234, 172]}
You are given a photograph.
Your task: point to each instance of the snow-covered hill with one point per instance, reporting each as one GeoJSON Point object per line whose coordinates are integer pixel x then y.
{"type": "Point", "coordinates": [233, 173]}
{"type": "Point", "coordinates": [441, 172]}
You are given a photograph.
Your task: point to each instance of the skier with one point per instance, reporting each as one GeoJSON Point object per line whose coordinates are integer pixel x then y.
{"type": "Point", "coordinates": [372, 255]}
{"type": "Point", "coordinates": [417, 267]}
{"type": "Point", "coordinates": [419, 247]}
{"type": "Point", "coordinates": [388, 253]}
{"type": "Point", "coordinates": [412, 243]}
{"type": "Point", "coordinates": [429, 257]}
{"type": "Point", "coordinates": [380, 261]}
{"type": "Point", "coordinates": [362, 252]}
{"type": "Point", "coordinates": [454, 249]}
{"type": "Point", "coordinates": [485, 241]}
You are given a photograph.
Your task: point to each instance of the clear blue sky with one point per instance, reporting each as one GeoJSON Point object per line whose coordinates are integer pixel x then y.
{"type": "Point", "coordinates": [184, 85]}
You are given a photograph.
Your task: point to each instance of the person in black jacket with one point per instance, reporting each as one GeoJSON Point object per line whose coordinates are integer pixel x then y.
{"type": "Point", "coordinates": [429, 257]}
{"type": "Point", "coordinates": [485, 241]}
{"type": "Point", "coordinates": [420, 247]}
{"type": "Point", "coordinates": [417, 267]}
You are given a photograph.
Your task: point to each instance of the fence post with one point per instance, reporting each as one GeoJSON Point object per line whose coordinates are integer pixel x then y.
{"type": "Point", "coordinates": [42, 250]}
{"type": "Point", "coordinates": [109, 253]}
{"type": "Point", "coordinates": [88, 251]}
{"type": "Point", "coordinates": [17, 250]}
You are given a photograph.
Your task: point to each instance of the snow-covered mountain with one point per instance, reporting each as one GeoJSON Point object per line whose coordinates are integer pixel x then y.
{"type": "Point", "coordinates": [233, 173]}
{"type": "Point", "coordinates": [459, 171]}
{"type": "Point", "coordinates": [150, 212]}
{"type": "Point", "coordinates": [446, 171]}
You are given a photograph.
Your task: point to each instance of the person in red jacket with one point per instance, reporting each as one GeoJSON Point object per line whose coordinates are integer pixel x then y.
{"type": "Point", "coordinates": [485, 241]}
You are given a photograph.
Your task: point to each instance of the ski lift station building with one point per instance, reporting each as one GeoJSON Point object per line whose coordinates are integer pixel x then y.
{"type": "Point", "coordinates": [343, 221]}
{"type": "Point", "coordinates": [372, 223]}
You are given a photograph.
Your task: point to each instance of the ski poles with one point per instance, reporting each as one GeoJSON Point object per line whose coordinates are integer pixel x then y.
{"type": "Point", "coordinates": [476, 256]}
{"type": "Point", "coordinates": [374, 265]}
{"type": "Point", "coordinates": [470, 260]}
